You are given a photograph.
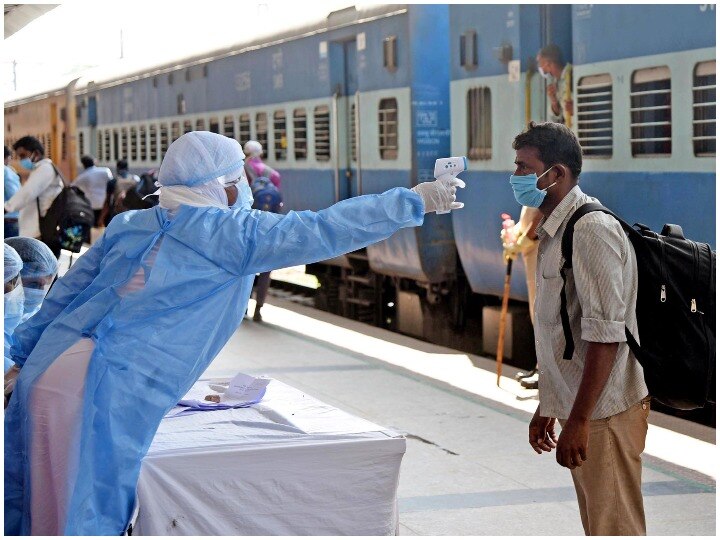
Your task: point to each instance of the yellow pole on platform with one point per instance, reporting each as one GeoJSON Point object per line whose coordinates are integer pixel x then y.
{"type": "Point", "coordinates": [503, 319]}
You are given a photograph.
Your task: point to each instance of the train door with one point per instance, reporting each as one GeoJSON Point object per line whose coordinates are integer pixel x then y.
{"type": "Point", "coordinates": [344, 74]}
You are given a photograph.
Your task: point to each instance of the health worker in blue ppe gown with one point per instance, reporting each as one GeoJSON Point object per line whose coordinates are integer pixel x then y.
{"type": "Point", "coordinates": [38, 272]}
{"type": "Point", "coordinates": [14, 299]}
{"type": "Point", "coordinates": [139, 317]}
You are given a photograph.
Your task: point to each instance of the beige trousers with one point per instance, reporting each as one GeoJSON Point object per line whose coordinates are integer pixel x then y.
{"type": "Point", "coordinates": [608, 484]}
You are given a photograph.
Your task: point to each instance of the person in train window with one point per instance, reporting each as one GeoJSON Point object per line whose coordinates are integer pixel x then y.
{"type": "Point", "coordinates": [12, 184]}
{"type": "Point", "coordinates": [254, 166]}
{"type": "Point", "coordinates": [559, 87]}
{"type": "Point", "coordinates": [93, 182]}
{"type": "Point", "coordinates": [40, 189]}
{"type": "Point", "coordinates": [599, 395]}
{"type": "Point", "coordinates": [139, 317]}
{"type": "Point", "coordinates": [525, 234]}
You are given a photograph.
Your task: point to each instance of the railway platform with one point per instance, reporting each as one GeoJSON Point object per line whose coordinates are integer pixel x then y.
{"type": "Point", "coordinates": [468, 469]}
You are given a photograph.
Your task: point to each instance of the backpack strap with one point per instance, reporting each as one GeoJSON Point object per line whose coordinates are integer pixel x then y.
{"type": "Point", "coordinates": [64, 184]}
{"type": "Point", "coordinates": [566, 246]}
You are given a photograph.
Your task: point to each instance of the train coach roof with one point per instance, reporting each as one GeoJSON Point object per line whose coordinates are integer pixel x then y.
{"type": "Point", "coordinates": [106, 77]}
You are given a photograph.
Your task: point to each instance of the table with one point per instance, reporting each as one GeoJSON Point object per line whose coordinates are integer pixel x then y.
{"type": "Point", "coordinates": [289, 465]}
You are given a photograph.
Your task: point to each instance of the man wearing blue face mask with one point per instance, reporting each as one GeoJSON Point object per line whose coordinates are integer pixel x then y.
{"type": "Point", "coordinates": [40, 189]}
{"type": "Point", "coordinates": [598, 392]}
{"type": "Point", "coordinates": [14, 299]}
{"type": "Point", "coordinates": [38, 272]}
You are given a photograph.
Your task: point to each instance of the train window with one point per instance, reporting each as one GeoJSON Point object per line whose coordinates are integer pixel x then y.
{"type": "Point", "coordinates": [300, 133]}
{"type": "Point", "coordinates": [704, 119]}
{"type": "Point", "coordinates": [142, 143]}
{"type": "Point", "coordinates": [261, 134]}
{"type": "Point", "coordinates": [322, 133]}
{"type": "Point", "coordinates": [280, 135]}
{"type": "Point", "coordinates": [200, 124]}
{"type": "Point", "coordinates": [116, 144]}
{"type": "Point", "coordinates": [181, 104]}
{"type": "Point", "coordinates": [594, 115]}
{"type": "Point", "coordinates": [469, 49]}
{"type": "Point", "coordinates": [164, 142]}
{"type": "Point", "coordinates": [81, 143]}
{"type": "Point", "coordinates": [479, 123]}
{"type": "Point", "coordinates": [388, 125]}
{"type": "Point", "coordinates": [243, 128]}
{"type": "Point", "coordinates": [215, 125]}
{"type": "Point", "coordinates": [123, 143]}
{"type": "Point", "coordinates": [106, 145]}
{"type": "Point", "coordinates": [650, 114]}
{"type": "Point", "coordinates": [390, 53]}
{"type": "Point", "coordinates": [133, 143]}
{"type": "Point", "coordinates": [153, 142]}
{"type": "Point", "coordinates": [63, 146]}
{"type": "Point", "coordinates": [353, 134]}
{"type": "Point", "coordinates": [187, 126]}
{"type": "Point", "coordinates": [229, 127]}
{"type": "Point", "coordinates": [170, 79]}
{"type": "Point", "coordinates": [175, 131]}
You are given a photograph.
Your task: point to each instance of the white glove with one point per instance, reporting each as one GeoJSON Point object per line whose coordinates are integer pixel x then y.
{"type": "Point", "coordinates": [439, 196]}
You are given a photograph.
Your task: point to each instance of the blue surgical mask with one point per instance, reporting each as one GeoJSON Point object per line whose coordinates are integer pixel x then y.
{"type": "Point", "coordinates": [526, 191]}
{"type": "Point", "coordinates": [245, 197]}
{"type": "Point", "coordinates": [27, 163]}
{"type": "Point", "coordinates": [33, 300]}
{"type": "Point", "coordinates": [14, 302]}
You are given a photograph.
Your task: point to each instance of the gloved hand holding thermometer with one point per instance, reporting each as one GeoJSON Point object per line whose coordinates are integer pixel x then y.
{"type": "Point", "coordinates": [439, 196]}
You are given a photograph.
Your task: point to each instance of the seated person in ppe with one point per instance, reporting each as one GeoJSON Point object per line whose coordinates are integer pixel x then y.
{"type": "Point", "coordinates": [139, 317]}
{"type": "Point", "coordinates": [38, 272]}
{"type": "Point", "coordinates": [14, 299]}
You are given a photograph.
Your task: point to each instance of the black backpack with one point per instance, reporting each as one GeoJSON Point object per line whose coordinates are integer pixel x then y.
{"type": "Point", "coordinates": [675, 311]}
{"type": "Point", "coordinates": [68, 221]}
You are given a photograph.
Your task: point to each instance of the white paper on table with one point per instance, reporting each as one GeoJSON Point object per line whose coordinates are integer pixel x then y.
{"type": "Point", "coordinates": [245, 388]}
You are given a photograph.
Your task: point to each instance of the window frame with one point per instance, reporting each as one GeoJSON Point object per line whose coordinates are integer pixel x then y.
{"type": "Point", "coordinates": [388, 129]}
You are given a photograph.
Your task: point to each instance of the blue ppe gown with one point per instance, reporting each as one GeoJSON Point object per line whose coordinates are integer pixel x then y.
{"type": "Point", "coordinates": [153, 344]}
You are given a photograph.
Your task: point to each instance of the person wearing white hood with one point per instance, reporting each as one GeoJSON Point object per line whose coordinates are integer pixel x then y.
{"type": "Point", "coordinates": [14, 299]}
{"type": "Point", "coordinates": [138, 318]}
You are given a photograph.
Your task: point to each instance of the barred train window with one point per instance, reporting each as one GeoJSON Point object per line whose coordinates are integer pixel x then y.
{"type": "Point", "coordinates": [300, 133]}
{"type": "Point", "coordinates": [594, 115]}
{"type": "Point", "coordinates": [187, 126]}
{"type": "Point", "coordinates": [164, 142]}
{"type": "Point", "coordinates": [243, 128]}
{"type": "Point", "coordinates": [353, 134]}
{"type": "Point", "coordinates": [106, 145]}
{"type": "Point", "coordinates": [175, 131]}
{"type": "Point", "coordinates": [261, 127]}
{"type": "Point", "coordinates": [200, 124]}
{"type": "Point", "coordinates": [81, 143]}
{"type": "Point", "coordinates": [133, 144]}
{"type": "Point", "coordinates": [124, 143]}
{"type": "Point", "coordinates": [229, 127]}
{"type": "Point", "coordinates": [153, 143]}
{"type": "Point", "coordinates": [215, 125]}
{"type": "Point", "coordinates": [387, 124]}
{"type": "Point", "coordinates": [321, 119]}
{"type": "Point", "coordinates": [704, 119]}
{"type": "Point", "coordinates": [63, 143]}
{"type": "Point", "coordinates": [116, 144]}
{"type": "Point", "coordinates": [142, 143]}
{"type": "Point", "coordinates": [650, 114]}
{"type": "Point", "coordinates": [280, 135]}
{"type": "Point", "coordinates": [479, 123]}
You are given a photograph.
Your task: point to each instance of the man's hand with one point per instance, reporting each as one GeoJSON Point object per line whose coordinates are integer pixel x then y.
{"type": "Point", "coordinates": [573, 444]}
{"type": "Point", "coordinates": [569, 106]}
{"type": "Point", "coordinates": [552, 94]}
{"type": "Point", "coordinates": [542, 433]}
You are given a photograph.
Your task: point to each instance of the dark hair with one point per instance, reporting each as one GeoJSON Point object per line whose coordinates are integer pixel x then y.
{"type": "Point", "coordinates": [122, 165]}
{"type": "Point", "coordinates": [8, 153]}
{"type": "Point", "coordinates": [29, 143]}
{"type": "Point", "coordinates": [553, 53]}
{"type": "Point", "coordinates": [556, 144]}
{"type": "Point", "coordinates": [87, 161]}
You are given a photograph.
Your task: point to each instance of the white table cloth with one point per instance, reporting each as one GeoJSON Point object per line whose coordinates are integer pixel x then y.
{"type": "Point", "coordinates": [289, 465]}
